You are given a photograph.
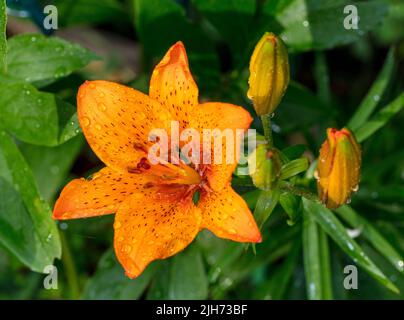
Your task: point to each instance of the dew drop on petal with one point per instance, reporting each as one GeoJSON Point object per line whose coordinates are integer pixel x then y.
{"type": "Point", "coordinates": [102, 106]}
{"type": "Point", "coordinates": [85, 121]}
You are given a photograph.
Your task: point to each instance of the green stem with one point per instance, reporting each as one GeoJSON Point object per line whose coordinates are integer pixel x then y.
{"type": "Point", "coordinates": [299, 191]}
{"type": "Point", "coordinates": [266, 124]}
{"type": "Point", "coordinates": [69, 265]}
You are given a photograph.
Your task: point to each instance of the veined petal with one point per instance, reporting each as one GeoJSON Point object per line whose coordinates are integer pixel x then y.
{"type": "Point", "coordinates": [224, 117]}
{"type": "Point", "coordinates": [153, 226]}
{"type": "Point", "coordinates": [117, 120]}
{"type": "Point", "coordinates": [227, 215]}
{"type": "Point", "coordinates": [173, 86]}
{"type": "Point", "coordinates": [101, 195]}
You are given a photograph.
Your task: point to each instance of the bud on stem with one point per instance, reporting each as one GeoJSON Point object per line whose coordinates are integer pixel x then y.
{"type": "Point", "coordinates": [338, 167]}
{"type": "Point", "coordinates": [269, 74]}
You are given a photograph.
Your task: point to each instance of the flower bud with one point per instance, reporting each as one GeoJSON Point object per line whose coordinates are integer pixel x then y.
{"type": "Point", "coordinates": [269, 74]}
{"type": "Point", "coordinates": [264, 167]}
{"type": "Point", "coordinates": [338, 168]}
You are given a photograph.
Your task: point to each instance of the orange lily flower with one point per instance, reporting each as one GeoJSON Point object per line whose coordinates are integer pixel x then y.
{"type": "Point", "coordinates": [155, 213]}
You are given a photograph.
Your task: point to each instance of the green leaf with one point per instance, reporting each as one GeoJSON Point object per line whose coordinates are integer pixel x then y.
{"type": "Point", "coordinates": [294, 152]}
{"type": "Point", "coordinates": [27, 228]}
{"type": "Point", "coordinates": [325, 260]}
{"type": "Point", "coordinates": [379, 119]}
{"type": "Point", "coordinates": [292, 206]}
{"type": "Point", "coordinates": [300, 100]}
{"type": "Point", "coordinates": [229, 18]}
{"type": "Point", "coordinates": [110, 282]}
{"type": "Point", "coordinates": [3, 37]}
{"type": "Point", "coordinates": [322, 77]}
{"type": "Point", "coordinates": [370, 102]}
{"type": "Point", "coordinates": [327, 220]}
{"type": "Point", "coordinates": [90, 12]}
{"type": "Point", "coordinates": [311, 257]}
{"type": "Point", "coordinates": [188, 280]}
{"type": "Point", "coordinates": [275, 287]}
{"type": "Point", "coordinates": [372, 235]}
{"type": "Point", "coordinates": [319, 25]}
{"type": "Point", "coordinates": [35, 58]}
{"type": "Point", "coordinates": [266, 203]}
{"type": "Point", "coordinates": [51, 165]}
{"type": "Point", "coordinates": [36, 117]}
{"type": "Point", "coordinates": [294, 167]}
{"type": "Point", "coordinates": [180, 278]}
{"type": "Point", "coordinates": [161, 23]}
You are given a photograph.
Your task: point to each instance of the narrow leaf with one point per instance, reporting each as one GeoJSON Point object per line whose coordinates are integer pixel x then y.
{"type": "Point", "coordinates": [338, 233]}
{"type": "Point", "coordinates": [372, 235]}
{"type": "Point", "coordinates": [326, 279]}
{"type": "Point", "coordinates": [294, 167]}
{"type": "Point", "coordinates": [380, 119]}
{"type": "Point", "coordinates": [3, 37]}
{"type": "Point", "coordinates": [266, 203]}
{"type": "Point", "coordinates": [311, 257]}
{"type": "Point", "coordinates": [370, 102]}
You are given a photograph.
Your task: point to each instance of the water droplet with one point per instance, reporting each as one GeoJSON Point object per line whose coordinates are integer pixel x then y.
{"type": "Point", "coordinates": [85, 121]}
{"type": "Point", "coordinates": [374, 195]}
{"type": "Point", "coordinates": [102, 94]}
{"type": "Point", "coordinates": [305, 23]}
{"type": "Point", "coordinates": [400, 265]}
{"type": "Point", "coordinates": [356, 188]}
{"type": "Point", "coordinates": [232, 231]}
{"type": "Point", "coordinates": [91, 85]}
{"type": "Point", "coordinates": [120, 239]}
{"type": "Point", "coordinates": [102, 106]}
{"type": "Point", "coordinates": [98, 126]}
{"type": "Point", "coordinates": [63, 226]}
{"type": "Point", "coordinates": [117, 225]}
{"type": "Point", "coordinates": [141, 116]}
{"type": "Point", "coordinates": [60, 72]}
{"type": "Point", "coordinates": [376, 97]}
{"type": "Point", "coordinates": [49, 237]}
{"type": "Point", "coordinates": [126, 248]}
{"type": "Point", "coordinates": [55, 170]}
{"type": "Point", "coordinates": [348, 201]}
{"type": "Point", "coordinates": [33, 39]}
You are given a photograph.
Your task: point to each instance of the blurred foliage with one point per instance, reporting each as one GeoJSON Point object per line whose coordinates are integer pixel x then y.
{"type": "Point", "coordinates": [340, 77]}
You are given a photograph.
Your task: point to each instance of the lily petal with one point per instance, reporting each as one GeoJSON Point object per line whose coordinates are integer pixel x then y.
{"type": "Point", "coordinates": [227, 215]}
{"type": "Point", "coordinates": [116, 121]}
{"type": "Point", "coordinates": [173, 86]}
{"type": "Point", "coordinates": [153, 226]}
{"type": "Point", "coordinates": [101, 195]}
{"type": "Point", "coordinates": [223, 116]}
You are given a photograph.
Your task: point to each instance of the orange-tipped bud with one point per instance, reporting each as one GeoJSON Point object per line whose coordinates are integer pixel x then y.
{"type": "Point", "coordinates": [269, 74]}
{"type": "Point", "coordinates": [338, 167]}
